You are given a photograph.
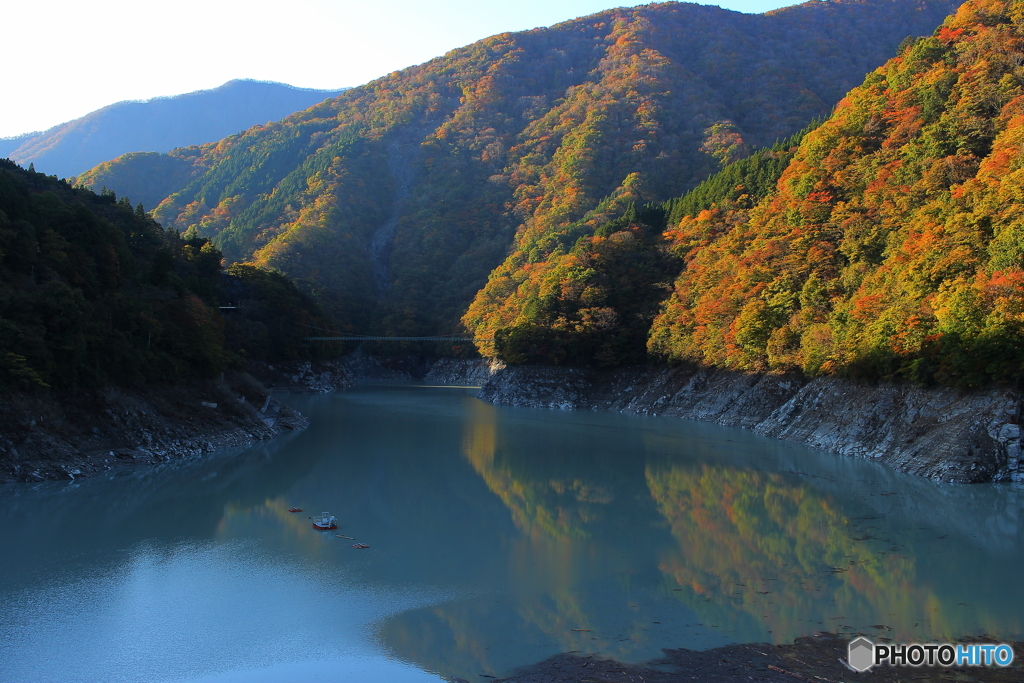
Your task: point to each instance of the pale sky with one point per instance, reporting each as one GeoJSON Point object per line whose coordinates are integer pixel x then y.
{"type": "Point", "coordinates": [67, 58]}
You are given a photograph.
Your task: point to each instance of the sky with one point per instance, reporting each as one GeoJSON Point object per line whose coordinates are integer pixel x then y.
{"type": "Point", "coordinates": [76, 56]}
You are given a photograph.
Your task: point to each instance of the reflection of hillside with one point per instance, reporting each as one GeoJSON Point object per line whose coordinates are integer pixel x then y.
{"type": "Point", "coordinates": [271, 518]}
{"type": "Point", "coordinates": [565, 595]}
{"type": "Point", "coordinates": [569, 581]}
{"type": "Point", "coordinates": [757, 551]}
{"type": "Point", "coordinates": [558, 505]}
{"type": "Point", "coordinates": [551, 511]}
{"type": "Point", "coordinates": [492, 637]}
{"type": "Point", "coordinates": [184, 498]}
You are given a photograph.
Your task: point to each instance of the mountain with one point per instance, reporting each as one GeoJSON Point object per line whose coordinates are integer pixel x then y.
{"type": "Point", "coordinates": [146, 177]}
{"type": "Point", "coordinates": [394, 201]}
{"type": "Point", "coordinates": [8, 145]}
{"type": "Point", "coordinates": [94, 293]}
{"type": "Point", "coordinates": [892, 245]}
{"type": "Point", "coordinates": [893, 242]}
{"type": "Point", "coordinates": [157, 125]}
{"type": "Point", "coordinates": [591, 299]}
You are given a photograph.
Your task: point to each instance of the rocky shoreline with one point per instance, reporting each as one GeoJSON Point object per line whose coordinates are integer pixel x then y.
{"type": "Point", "coordinates": [65, 436]}
{"type": "Point", "coordinates": [940, 433]}
{"type": "Point", "coordinates": [54, 436]}
{"type": "Point", "coordinates": [463, 372]}
{"type": "Point", "coordinates": [816, 659]}
{"type": "Point", "coordinates": [305, 377]}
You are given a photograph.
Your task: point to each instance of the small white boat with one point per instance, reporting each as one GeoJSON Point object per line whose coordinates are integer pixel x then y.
{"type": "Point", "coordinates": [325, 521]}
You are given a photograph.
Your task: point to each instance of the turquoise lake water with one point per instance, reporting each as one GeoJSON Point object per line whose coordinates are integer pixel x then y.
{"type": "Point", "coordinates": [498, 537]}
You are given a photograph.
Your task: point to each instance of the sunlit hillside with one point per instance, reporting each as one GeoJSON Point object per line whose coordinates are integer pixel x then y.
{"type": "Point", "coordinates": [394, 201]}
{"type": "Point", "coordinates": [883, 242]}
{"type": "Point", "coordinates": [893, 243]}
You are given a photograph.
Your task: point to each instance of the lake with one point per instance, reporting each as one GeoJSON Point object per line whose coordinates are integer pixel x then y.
{"type": "Point", "coordinates": [498, 537]}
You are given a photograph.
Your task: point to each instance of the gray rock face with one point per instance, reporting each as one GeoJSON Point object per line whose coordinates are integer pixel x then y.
{"type": "Point", "coordinates": [456, 371]}
{"type": "Point", "coordinates": [303, 376]}
{"type": "Point", "coordinates": [940, 433]}
{"type": "Point", "coordinates": [363, 366]}
{"type": "Point", "coordinates": [360, 366]}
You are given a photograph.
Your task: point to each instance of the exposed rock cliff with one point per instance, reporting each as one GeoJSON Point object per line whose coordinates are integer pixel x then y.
{"type": "Point", "coordinates": [303, 376]}
{"type": "Point", "coordinates": [938, 433]}
{"type": "Point", "coordinates": [362, 366]}
{"type": "Point", "coordinates": [465, 372]}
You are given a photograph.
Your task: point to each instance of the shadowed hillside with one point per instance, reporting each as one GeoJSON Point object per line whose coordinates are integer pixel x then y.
{"type": "Point", "coordinates": [95, 293]}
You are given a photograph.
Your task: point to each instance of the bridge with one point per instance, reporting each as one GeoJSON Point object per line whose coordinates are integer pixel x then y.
{"type": "Point", "coordinates": [359, 338]}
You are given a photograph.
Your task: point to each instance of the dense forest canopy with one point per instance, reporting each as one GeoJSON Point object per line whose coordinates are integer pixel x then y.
{"type": "Point", "coordinates": [94, 292]}
{"type": "Point", "coordinates": [894, 242]}
{"type": "Point", "coordinates": [587, 294]}
{"type": "Point", "coordinates": [393, 202]}
{"type": "Point", "coordinates": [882, 241]}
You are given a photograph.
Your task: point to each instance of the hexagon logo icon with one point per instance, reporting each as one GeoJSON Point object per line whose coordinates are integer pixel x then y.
{"type": "Point", "coordinates": [861, 654]}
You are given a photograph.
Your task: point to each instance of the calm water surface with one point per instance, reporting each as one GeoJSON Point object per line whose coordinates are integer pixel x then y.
{"type": "Point", "coordinates": [498, 537]}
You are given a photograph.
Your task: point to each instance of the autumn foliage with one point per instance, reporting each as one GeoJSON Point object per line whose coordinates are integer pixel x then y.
{"type": "Point", "coordinates": [894, 242]}
{"type": "Point", "coordinates": [394, 202]}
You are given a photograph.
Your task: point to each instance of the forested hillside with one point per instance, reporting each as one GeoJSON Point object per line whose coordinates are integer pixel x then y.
{"type": "Point", "coordinates": [94, 292]}
{"type": "Point", "coordinates": [894, 242]}
{"type": "Point", "coordinates": [395, 200]}
{"type": "Point", "coordinates": [156, 125]}
{"type": "Point", "coordinates": [590, 298]}
{"type": "Point", "coordinates": [146, 177]}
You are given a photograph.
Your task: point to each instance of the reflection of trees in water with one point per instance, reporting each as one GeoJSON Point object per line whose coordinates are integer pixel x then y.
{"type": "Point", "coordinates": [760, 555]}
{"type": "Point", "coordinates": [563, 572]}
{"type": "Point", "coordinates": [552, 591]}
{"type": "Point", "coordinates": [269, 518]}
{"type": "Point", "coordinates": [555, 504]}
{"type": "Point", "coordinates": [550, 512]}
{"type": "Point", "coordinates": [756, 551]}
{"type": "Point", "coordinates": [547, 599]}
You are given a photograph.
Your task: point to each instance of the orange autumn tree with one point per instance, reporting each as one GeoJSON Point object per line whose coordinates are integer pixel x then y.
{"type": "Point", "coordinates": [893, 244]}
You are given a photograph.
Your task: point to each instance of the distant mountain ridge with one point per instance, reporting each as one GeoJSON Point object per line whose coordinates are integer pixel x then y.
{"type": "Point", "coordinates": [394, 201]}
{"type": "Point", "coordinates": [158, 125]}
